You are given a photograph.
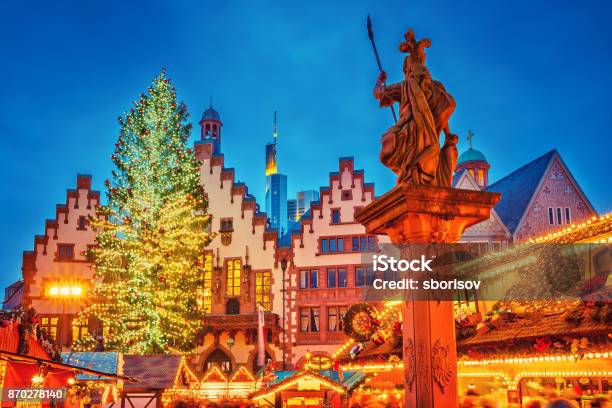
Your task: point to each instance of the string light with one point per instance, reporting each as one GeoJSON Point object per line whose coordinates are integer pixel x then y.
{"type": "Point", "coordinates": [301, 377]}
{"type": "Point", "coordinates": [149, 259]}
{"type": "Point", "coordinates": [536, 359]}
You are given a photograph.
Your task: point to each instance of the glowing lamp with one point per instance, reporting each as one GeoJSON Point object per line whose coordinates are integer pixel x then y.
{"type": "Point", "coordinates": [71, 381]}
{"type": "Point", "coordinates": [76, 291]}
{"type": "Point", "coordinates": [37, 379]}
{"type": "Point", "coordinates": [54, 291]}
{"type": "Point", "coordinates": [64, 291]}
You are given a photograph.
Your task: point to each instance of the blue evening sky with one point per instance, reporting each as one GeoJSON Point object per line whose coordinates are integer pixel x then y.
{"type": "Point", "coordinates": [528, 76]}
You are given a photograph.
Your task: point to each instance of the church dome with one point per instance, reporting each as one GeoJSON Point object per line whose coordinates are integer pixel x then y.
{"type": "Point", "coordinates": [211, 114]}
{"type": "Point", "coordinates": [472, 155]}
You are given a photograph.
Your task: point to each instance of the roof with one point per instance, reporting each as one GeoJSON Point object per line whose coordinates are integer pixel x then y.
{"type": "Point", "coordinates": [151, 371]}
{"type": "Point", "coordinates": [518, 188]}
{"type": "Point", "coordinates": [284, 378]}
{"type": "Point", "coordinates": [106, 362]}
{"type": "Point", "coordinates": [471, 155]}
{"type": "Point", "coordinates": [558, 323]}
{"type": "Point", "coordinates": [211, 114]}
{"type": "Point", "coordinates": [295, 227]}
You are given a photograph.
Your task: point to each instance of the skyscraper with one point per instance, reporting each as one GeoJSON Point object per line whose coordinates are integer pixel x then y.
{"type": "Point", "coordinates": [292, 210]}
{"type": "Point", "coordinates": [276, 188]}
{"type": "Point", "coordinates": [304, 198]}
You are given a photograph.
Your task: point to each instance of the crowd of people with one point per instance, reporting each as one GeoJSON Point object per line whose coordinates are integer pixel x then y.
{"type": "Point", "coordinates": [474, 401]}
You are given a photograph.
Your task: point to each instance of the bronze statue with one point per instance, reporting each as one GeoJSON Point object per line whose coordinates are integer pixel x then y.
{"type": "Point", "coordinates": [411, 147]}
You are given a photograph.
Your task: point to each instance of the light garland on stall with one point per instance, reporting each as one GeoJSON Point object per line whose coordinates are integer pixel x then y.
{"type": "Point", "coordinates": [536, 359]}
{"type": "Point", "coordinates": [337, 388]}
{"type": "Point", "coordinates": [574, 227]}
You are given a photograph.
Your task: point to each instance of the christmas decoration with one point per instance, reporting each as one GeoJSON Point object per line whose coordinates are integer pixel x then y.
{"type": "Point", "coordinates": [361, 322]}
{"type": "Point", "coordinates": [147, 286]}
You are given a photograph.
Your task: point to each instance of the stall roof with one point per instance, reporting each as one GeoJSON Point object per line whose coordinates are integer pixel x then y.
{"type": "Point", "coordinates": [5, 355]}
{"type": "Point", "coordinates": [151, 371]}
{"type": "Point", "coordinates": [541, 325]}
{"type": "Point", "coordinates": [100, 361]}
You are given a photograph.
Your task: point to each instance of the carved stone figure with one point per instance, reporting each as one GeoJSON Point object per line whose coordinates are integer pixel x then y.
{"type": "Point", "coordinates": [411, 147]}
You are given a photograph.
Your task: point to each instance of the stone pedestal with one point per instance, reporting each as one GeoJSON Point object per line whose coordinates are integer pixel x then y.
{"type": "Point", "coordinates": [411, 214]}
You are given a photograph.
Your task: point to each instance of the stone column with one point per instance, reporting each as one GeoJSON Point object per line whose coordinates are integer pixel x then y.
{"type": "Point", "coordinates": [414, 214]}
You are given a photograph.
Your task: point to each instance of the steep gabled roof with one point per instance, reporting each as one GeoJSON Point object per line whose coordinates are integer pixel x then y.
{"type": "Point", "coordinates": [518, 188]}
{"type": "Point", "coordinates": [151, 371]}
{"type": "Point", "coordinates": [465, 173]}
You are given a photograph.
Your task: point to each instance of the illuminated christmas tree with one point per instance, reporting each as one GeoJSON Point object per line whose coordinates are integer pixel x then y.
{"type": "Point", "coordinates": [150, 237]}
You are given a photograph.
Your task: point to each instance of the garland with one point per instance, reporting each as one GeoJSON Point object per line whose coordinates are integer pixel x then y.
{"type": "Point", "coordinates": [361, 322]}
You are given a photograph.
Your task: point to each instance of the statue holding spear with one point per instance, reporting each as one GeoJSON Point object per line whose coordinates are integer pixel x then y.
{"type": "Point", "coordinates": [411, 147]}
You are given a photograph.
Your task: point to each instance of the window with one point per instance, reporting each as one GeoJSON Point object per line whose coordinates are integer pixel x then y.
{"type": "Point", "coordinates": [342, 278]}
{"type": "Point", "coordinates": [324, 246]}
{"type": "Point", "coordinates": [90, 253]}
{"type": "Point", "coordinates": [347, 195]}
{"type": "Point", "coordinates": [551, 218]}
{"type": "Point", "coordinates": [332, 319]}
{"type": "Point", "coordinates": [331, 278]}
{"type": "Point", "coordinates": [359, 276]}
{"type": "Point", "coordinates": [50, 324]}
{"type": "Point", "coordinates": [82, 223]}
{"type": "Point", "coordinates": [320, 363]}
{"type": "Point", "coordinates": [65, 251]}
{"type": "Point", "coordinates": [309, 319]}
{"type": "Point", "coordinates": [303, 279]}
{"type": "Point", "coordinates": [263, 288]}
{"type": "Point", "coordinates": [232, 307]}
{"type": "Point", "coordinates": [559, 220]}
{"type": "Point", "coordinates": [233, 267]}
{"type": "Point", "coordinates": [335, 215]}
{"type": "Point", "coordinates": [370, 275]}
{"type": "Point", "coordinates": [220, 359]}
{"type": "Point", "coordinates": [226, 225]}
{"type": "Point", "coordinates": [80, 329]}
{"type": "Point", "coordinates": [568, 216]}
{"type": "Point", "coordinates": [372, 244]}
{"type": "Point", "coordinates": [335, 314]}
{"type": "Point", "coordinates": [332, 245]}
{"type": "Point", "coordinates": [340, 244]}
{"type": "Point", "coordinates": [355, 245]}
{"type": "Point", "coordinates": [207, 283]}
{"type": "Point", "coordinates": [314, 278]}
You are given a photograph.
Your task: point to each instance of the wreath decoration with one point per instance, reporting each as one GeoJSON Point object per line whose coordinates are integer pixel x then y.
{"type": "Point", "coordinates": [361, 322]}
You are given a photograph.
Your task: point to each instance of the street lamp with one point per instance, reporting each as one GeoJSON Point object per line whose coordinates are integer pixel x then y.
{"type": "Point", "coordinates": [284, 269]}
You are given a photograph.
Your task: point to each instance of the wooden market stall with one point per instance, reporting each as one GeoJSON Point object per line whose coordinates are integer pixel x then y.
{"type": "Point", "coordinates": [302, 389]}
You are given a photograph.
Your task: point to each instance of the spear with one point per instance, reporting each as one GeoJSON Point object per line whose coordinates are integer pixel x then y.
{"type": "Point", "coordinates": [371, 35]}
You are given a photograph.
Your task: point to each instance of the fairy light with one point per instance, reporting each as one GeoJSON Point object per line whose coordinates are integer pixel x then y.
{"type": "Point", "coordinates": [304, 377]}
{"type": "Point", "coordinates": [536, 359]}
{"type": "Point", "coordinates": [149, 259]}
{"type": "Point", "coordinates": [213, 371]}
{"type": "Point", "coordinates": [372, 367]}
{"type": "Point", "coordinates": [574, 228]}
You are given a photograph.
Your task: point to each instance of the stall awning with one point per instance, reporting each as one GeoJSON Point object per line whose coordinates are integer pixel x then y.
{"type": "Point", "coordinates": [13, 357]}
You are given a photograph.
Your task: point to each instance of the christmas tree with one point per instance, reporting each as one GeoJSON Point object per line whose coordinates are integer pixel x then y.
{"type": "Point", "coordinates": [148, 260]}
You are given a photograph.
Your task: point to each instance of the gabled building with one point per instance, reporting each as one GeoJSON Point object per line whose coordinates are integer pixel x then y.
{"type": "Point", "coordinates": [538, 197]}
{"type": "Point", "coordinates": [241, 268]}
{"type": "Point", "coordinates": [57, 272]}
{"type": "Point", "coordinates": [328, 268]}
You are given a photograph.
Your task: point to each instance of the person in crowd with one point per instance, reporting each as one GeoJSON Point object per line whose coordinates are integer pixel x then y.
{"type": "Point", "coordinates": [562, 403]}
{"type": "Point", "coordinates": [601, 402]}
